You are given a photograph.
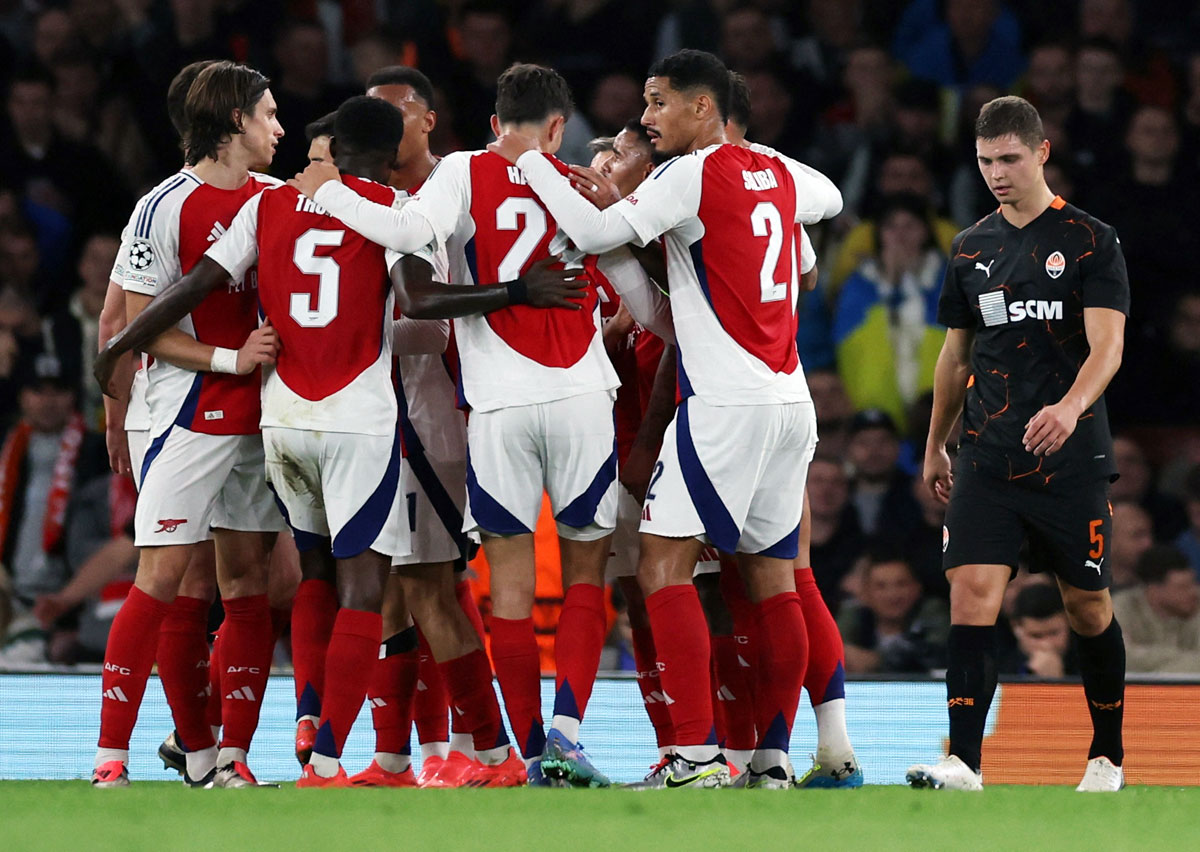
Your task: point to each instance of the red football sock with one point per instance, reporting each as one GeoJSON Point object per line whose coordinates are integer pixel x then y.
{"type": "Point", "coordinates": [466, 600]}
{"type": "Point", "coordinates": [681, 640]}
{"type": "Point", "coordinates": [469, 682]}
{"type": "Point", "coordinates": [353, 650]}
{"type": "Point", "coordinates": [247, 643]}
{"type": "Point", "coordinates": [281, 617]}
{"type": "Point", "coordinates": [745, 625]}
{"type": "Point", "coordinates": [825, 678]}
{"type": "Point", "coordinates": [431, 707]}
{"type": "Point", "coordinates": [128, 658]}
{"type": "Point", "coordinates": [714, 685]}
{"type": "Point", "coordinates": [577, 646]}
{"type": "Point", "coordinates": [393, 681]}
{"type": "Point", "coordinates": [183, 668]}
{"type": "Point", "coordinates": [313, 613]}
{"type": "Point", "coordinates": [212, 709]}
{"type": "Point", "coordinates": [732, 690]}
{"type": "Point", "coordinates": [519, 671]}
{"type": "Point", "coordinates": [783, 659]}
{"type": "Point", "coordinates": [651, 687]}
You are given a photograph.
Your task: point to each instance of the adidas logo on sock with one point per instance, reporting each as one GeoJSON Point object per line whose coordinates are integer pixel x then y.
{"type": "Point", "coordinates": [116, 694]}
{"type": "Point", "coordinates": [725, 694]}
{"type": "Point", "coordinates": [657, 696]}
{"type": "Point", "coordinates": [241, 694]}
{"type": "Point", "coordinates": [421, 687]}
{"type": "Point", "coordinates": [376, 702]}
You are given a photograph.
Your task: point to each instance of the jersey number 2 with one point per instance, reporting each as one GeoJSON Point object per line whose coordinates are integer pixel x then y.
{"type": "Point", "coordinates": [327, 271]}
{"type": "Point", "coordinates": [766, 222]}
{"type": "Point", "coordinates": [507, 219]}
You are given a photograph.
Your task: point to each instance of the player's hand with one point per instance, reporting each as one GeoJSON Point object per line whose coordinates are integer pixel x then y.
{"type": "Point", "coordinates": [1045, 662]}
{"type": "Point", "coordinates": [620, 323]}
{"type": "Point", "coordinates": [48, 609]}
{"type": "Point", "coordinates": [261, 347]}
{"type": "Point", "coordinates": [595, 187]}
{"type": "Point", "coordinates": [103, 368]}
{"type": "Point", "coordinates": [117, 443]}
{"type": "Point", "coordinates": [554, 288]}
{"type": "Point", "coordinates": [1048, 430]}
{"type": "Point", "coordinates": [314, 177]}
{"type": "Point", "coordinates": [938, 476]}
{"type": "Point", "coordinates": [511, 145]}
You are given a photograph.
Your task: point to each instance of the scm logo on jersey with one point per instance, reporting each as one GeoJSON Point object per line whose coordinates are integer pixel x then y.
{"type": "Point", "coordinates": [996, 311]}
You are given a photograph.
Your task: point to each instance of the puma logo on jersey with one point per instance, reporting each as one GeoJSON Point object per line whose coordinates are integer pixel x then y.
{"type": "Point", "coordinates": [760, 180]}
{"type": "Point", "coordinates": [307, 205]}
{"type": "Point", "coordinates": [516, 176]}
{"type": "Point", "coordinates": [169, 525]}
{"type": "Point", "coordinates": [218, 231]}
{"type": "Point", "coordinates": [987, 270]}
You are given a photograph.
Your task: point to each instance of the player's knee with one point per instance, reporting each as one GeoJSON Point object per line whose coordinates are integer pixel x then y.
{"type": "Point", "coordinates": [976, 594]}
{"type": "Point", "coordinates": [161, 570]}
{"type": "Point", "coordinates": [1089, 614]}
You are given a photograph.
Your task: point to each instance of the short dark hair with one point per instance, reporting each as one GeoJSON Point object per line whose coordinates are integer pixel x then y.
{"type": "Point", "coordinates": [739, 100]}
{"type": "Point", "coordinates": [323, 126]}
{"type": "Point", "coordinates": [177, 94]}
{"type": "Point", "coordinates": [364, 125]}
{"type": "Point", "coordinates": [1010, 114]}
{"type": "Point", "coordinates": [1040, 600]}
{"type": "Point", "coordinates": [600, 145]}
{"type": "Point", "coordinates": [690, 70]}
{"type": "Point", "coordinates": [1156, 563]}
{"type": "Point", "coordinates": [219, 89]}
{"type": "Point", "coordinates": [636, 127]}
{"type": "Point", "coordinates": [402, 75]}
{"type": "Point", "coordinates": [527, 93]}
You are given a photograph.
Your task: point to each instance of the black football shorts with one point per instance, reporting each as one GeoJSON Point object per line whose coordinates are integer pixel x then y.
{"type": "Point", "coordinates": [1069, 529]}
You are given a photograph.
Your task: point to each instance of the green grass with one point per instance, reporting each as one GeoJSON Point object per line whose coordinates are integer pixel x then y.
{"type": "Point", "coordinates": [159, 816]}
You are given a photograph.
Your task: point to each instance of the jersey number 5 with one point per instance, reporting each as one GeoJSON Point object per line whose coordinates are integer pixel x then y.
{"type": "Point", "coordinates": [327, 271]}
{"type": "Point", "coordinates": [766, 222]}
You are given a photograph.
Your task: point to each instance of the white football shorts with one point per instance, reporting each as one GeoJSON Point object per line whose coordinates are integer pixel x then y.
{"type": "Point", "coordinates": [733, 475]}
{"type": "Point", "coordinates": [139, 442]}
{"type": "Point", "coordinates": [192, 481]}
{"type": "Point", "coordinates": [564, 448]}
{"type": "Point", "coordinates": [340, 487]}
{"type": "Point", "coordinates": [433, 494]}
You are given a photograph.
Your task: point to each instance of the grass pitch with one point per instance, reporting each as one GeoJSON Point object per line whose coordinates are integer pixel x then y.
{"type": "Point", "coordinates": [159, 816]}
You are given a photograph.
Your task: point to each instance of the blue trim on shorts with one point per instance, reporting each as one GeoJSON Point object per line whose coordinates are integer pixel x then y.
{"type": "Point", "coordinates": [489, 515]}
{"type": "Point", "coordinates": [787, 547]}
{"type": "Point", "coordinates": [305, 540]}
{"type": "Point", "coordinates": [718, 523]}
{"type": "Point", "coordinates": [581, 511]}
{"type": "Point", "coordinates": [187, 413]}
{"type": "Point", "coordinates": [443, 504]}
{"type": "Point", "coordinates": [361, 531]}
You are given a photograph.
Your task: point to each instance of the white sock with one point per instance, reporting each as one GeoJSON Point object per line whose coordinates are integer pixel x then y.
{"type": "Point", "coordinates": [389, 762]}
{"type": "Point", "coordinates": [104, 755]}
{"type": "Point", "coordinates": [493, 756]}
{"type": "Point", "coordinates": [833, 742]}
{"type": "Point", "coordinates": [738, 758]}
{"type": "Point", "coordinates": [435, 749]}
{"type": "Point", "coordinates": [462, 742]}
{"type": "Point", "coordinates": [567, 726]}
{"type": "Point", "coordinates": [698, 753]}
{"type": "Point", "coordinates": [326, 767]}
{"type": "Point", "coordinates": [765, 758]}
{"type": "Point", "coordinates": [312, 719]}
{"type": "Point", "coordinates": [199, 763]}
{"type": "Point", "coordinates": [216, 732]}
{"type": "Point", "coordinates": [665, 751]}
{"type": "Point", "coordinates": [228, 755]}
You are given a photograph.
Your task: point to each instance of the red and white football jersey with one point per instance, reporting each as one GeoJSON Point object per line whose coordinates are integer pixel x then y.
{"type": "Point", "coordinates": [325, 289]}
{"type": "Point", "coordinates": [174, 225]}
{"type": "Point", "coordinates": [494, 228]}
{"type": "Point", "coordinates": [137, 413]}
{"type": "Point", "coordinates": [727, 215]}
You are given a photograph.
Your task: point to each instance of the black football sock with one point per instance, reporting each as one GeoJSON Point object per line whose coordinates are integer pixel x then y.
{"type": "Point", "coordinates": [1102, 666]}
{"type": "Point", "coordinates": [970, 685]}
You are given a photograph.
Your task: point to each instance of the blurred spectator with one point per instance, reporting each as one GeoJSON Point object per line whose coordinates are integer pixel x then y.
{"type": "Point", "coordinates": [1188, 541]}
{"type": "Point", "coordinates": [880, 490]}
{"type": "Point", "coordinates": [1161, 617]}
{"type": "Point", "coordinates": [1148, 76]}
{"type": "Point", "coordinates": [885, 321]}
{"type": "Point", "coordinates": [302, 90]}
{"type": "Point", "coordinates": [1190, 114]}
{"type": "Point", "coordinates": [834, 411]}
{"type": "Point", "coordinates": [1043, 635]}
{"type": "Point", "coordinates": [860, 119]}
{"type": "Point", "coordinates": [776, 119]}
{"type": "Point", "coordinates": [616, 99]}
{"type": "Point", "coordinates": [18, 319]}
{"type": "Point", "coordinates": [837, 539]}
{"type": "Point", "coordinates": [1097, 121]}
{"type": "Point", "coordinates": [1050, 81]}
{"type": "Point", "coordinates": [898, 173]}
{"type": "Point", "coordinates": [49, 521]}
{"type": "Point", "coordinates": [1136, 483]}
{"type": "Point", "coordinates": [95, 264]}
{"type": "Point", "coordinates": [54, 36]}
{"type": "Point", "coordinates": [1132, 535]}
{"type": "Point", "coordinates": [485, 44]}
{"type": "Point", "coordinates": [1156, 385]}
{"type": "Point", "coordinates": [892, 628]}
{"type": "Point", "coordinates": [836, 26]}
{"type": "Point", "coordinates": [380, 49]}
{"type": "Point", "coordinates": [922, 543]}
{"type": "Point", "coordinates": [748, 40]}
{"type": "Point", "coordinates": [966, 42]}
{"type": "Point", "coordinates": [1156, 223]}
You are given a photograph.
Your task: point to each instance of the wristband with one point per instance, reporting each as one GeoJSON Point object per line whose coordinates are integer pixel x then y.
{"type": "Point", "coordinates": [223, 360]}
{"type": "Point", "coordinates": [518, 293]}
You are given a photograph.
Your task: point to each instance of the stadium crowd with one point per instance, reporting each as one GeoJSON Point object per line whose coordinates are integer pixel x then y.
{"type": "Point", "coordinates": [878, 95]}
